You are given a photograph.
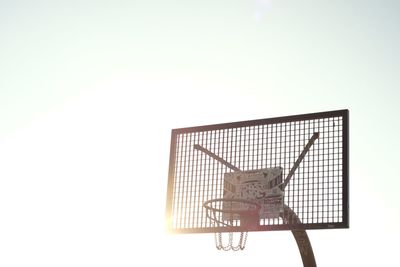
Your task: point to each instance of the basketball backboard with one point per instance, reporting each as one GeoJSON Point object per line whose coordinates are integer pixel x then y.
{"type": "Point", "coordinates": [295, 168]}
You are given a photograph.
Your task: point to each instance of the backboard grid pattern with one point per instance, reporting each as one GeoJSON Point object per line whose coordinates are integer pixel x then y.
{"type": "Point", "coordinates": [317, 192]}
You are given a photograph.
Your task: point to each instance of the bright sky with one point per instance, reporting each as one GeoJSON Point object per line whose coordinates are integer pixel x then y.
{"type": "Point", "coordinates": [90, 90]}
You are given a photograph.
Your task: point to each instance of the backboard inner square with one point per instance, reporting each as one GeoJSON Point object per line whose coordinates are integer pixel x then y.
{"type": "Point", "coordinates": [261, 186]}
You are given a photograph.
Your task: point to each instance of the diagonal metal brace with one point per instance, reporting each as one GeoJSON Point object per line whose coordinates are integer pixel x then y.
{"type": "Point", "coordinates": [216, 157]}
{"type": "Point", "coordinates": [299, 160]}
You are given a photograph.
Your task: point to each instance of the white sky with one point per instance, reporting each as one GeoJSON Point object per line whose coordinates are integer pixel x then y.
{"type": "Point", "coordinates": [90, 90]}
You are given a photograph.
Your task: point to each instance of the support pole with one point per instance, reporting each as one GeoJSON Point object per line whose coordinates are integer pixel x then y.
{"type": "Point", "coordinates": [305, 249]}
{"type": "Point", "coordinates": [301, 237]}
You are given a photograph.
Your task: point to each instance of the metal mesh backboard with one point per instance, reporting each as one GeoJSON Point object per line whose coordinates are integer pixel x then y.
{"type": "Point", "coordinates": [303, 160]}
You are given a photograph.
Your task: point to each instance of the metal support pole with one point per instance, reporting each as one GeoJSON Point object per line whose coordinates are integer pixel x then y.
{"type": "Point", "coordinates": [301, 237]}
{"type": "Point", "coordinates": [304, 245]}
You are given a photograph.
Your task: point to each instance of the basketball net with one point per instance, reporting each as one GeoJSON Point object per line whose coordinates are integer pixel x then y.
{"type": "Point", "coordinates": [228, 217]}
{"type": "Point", "coordinates": [241, 243]}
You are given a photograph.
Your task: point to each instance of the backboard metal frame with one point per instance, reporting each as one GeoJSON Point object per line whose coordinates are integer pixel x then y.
{"type": "Point", "coordinates": [317, 197]}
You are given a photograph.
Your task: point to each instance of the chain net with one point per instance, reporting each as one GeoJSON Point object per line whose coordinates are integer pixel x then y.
{"type": "Point", "coordinates": [228, 214]}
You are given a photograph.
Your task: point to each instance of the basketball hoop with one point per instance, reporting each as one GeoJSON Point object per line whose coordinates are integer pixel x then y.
{"type": "Point", "coordinates": [232, 214]}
